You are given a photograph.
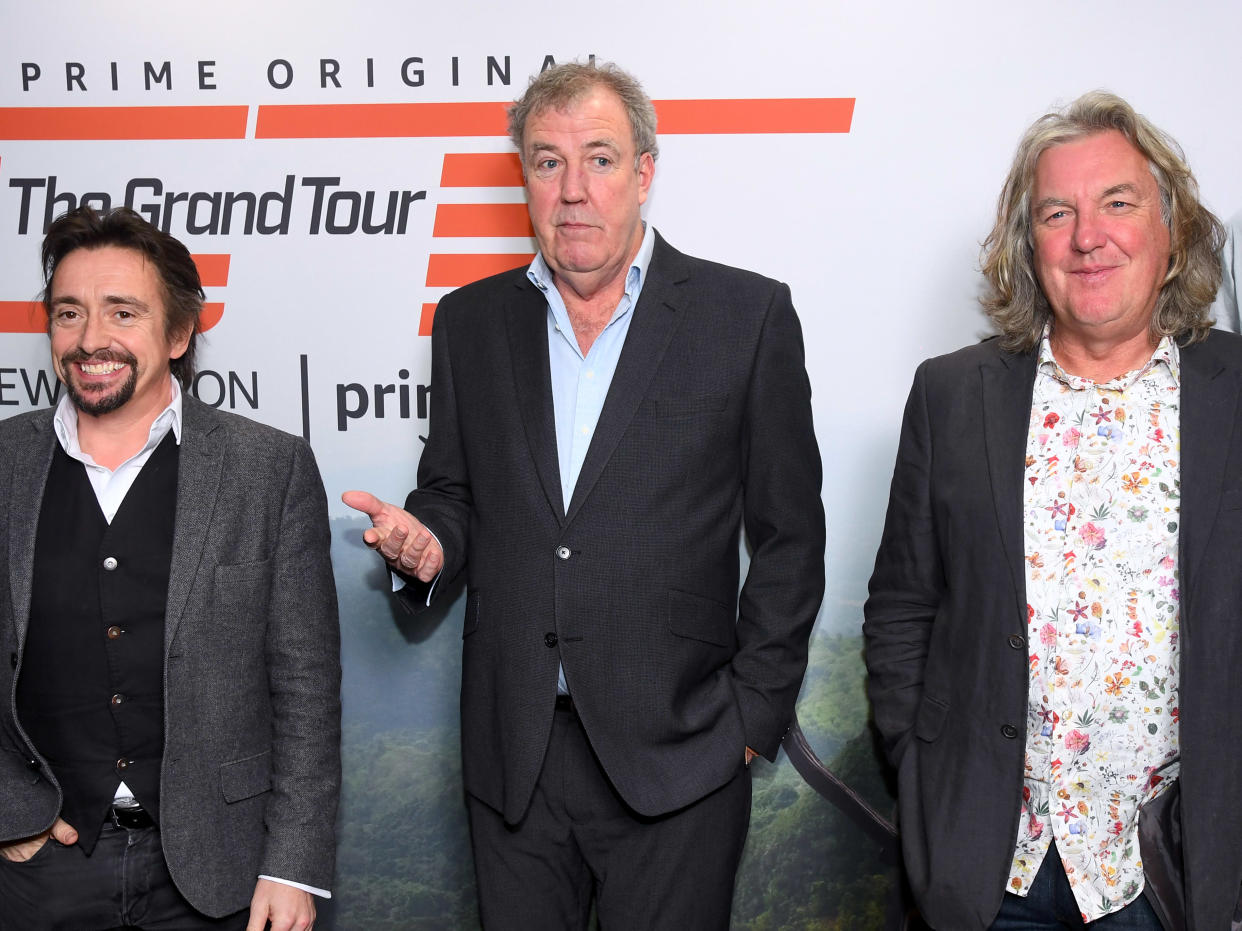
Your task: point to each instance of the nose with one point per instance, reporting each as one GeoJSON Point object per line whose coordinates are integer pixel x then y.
{"type": "Point", "coordinates": [573, 184]}
{"type": "Point", "coordinates": [1088, 232]}
{"type": "Point", "coordinates": [94, 334]}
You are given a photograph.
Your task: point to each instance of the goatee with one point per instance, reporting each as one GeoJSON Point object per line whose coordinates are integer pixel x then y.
{"type": "Point", "coordinates": [92, 399]}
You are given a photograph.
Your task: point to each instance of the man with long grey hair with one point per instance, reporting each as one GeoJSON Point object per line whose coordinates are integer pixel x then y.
{"type": "Point", "coordinates": [1051, 632]}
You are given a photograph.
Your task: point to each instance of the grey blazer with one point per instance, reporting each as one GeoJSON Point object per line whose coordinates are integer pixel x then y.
{"type": "Point", "coordinates": [634, 587]}
{"type": "Point", "coordinates": [946, 629]}
{"type": "Point", "coordinates": [251, 768]}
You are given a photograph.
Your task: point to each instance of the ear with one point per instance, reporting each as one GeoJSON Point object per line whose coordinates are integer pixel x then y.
{"type": "Point", "coordinates": [646, 172]}
{"type": "Point", "coordinates": [178, 343]}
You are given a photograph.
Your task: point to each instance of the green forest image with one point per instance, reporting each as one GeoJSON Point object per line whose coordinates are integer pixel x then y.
{"type": "Point", "coordinates": [403, 858]}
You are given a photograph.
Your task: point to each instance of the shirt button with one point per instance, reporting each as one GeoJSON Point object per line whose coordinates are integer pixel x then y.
{"type": "Point", "coordinates": [118, 699]}
{"type": "Point", "coordinates": [549, 640]}
{"type": "Point", "coordinates": [1018, 643]}
{"type": "Point", "coordinates": [1009, 731]}
{"type": "Point", "coordinates": [562, 552]}
{"type": "Point", "coordinates": [110, 563]}
{"type": "Point", "coordinates": [114, 632]}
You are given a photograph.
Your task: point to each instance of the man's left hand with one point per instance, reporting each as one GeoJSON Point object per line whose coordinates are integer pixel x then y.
{"type": "Point", "coordinates": [750, 755]}
{"type": "Point", "coordinates": [286, 907]}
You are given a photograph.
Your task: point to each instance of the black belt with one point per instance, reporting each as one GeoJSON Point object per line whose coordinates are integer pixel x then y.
{"type": "Point", "coordinates": [132, 816]}
{"type": "Point", "coordinates": [565, 703]}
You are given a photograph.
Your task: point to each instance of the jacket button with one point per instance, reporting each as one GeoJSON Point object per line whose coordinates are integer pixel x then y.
{"type": "Point", "coordinates": [1018, 643]}
{"type": "Point", "coordinates": [114, 632]}
{"type": "Point", "coordinates": [110, 563]}
{"type": "Point", "coordinates": [1009, 731]}
{"type": "Point", "coordinates": [549, 640]}
{"type": "Point", "coordinates": [562, 552]}
{"type": "Point", "coordinates": [32, 765]}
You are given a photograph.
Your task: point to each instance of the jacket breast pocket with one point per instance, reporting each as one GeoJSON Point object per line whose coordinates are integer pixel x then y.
{"type": "Point", "coordinates": [684, 407]}
{"type": "Point", "coordinates": [702, 619]}
{"type": "Point", "coordinates": [247, 777]}
{"type": "Point", "coordinates": [242, 588]}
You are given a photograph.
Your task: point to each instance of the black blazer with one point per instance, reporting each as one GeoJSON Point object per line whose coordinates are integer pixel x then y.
{"type": "Point", "coordinates": [946, 628]}
{"type": "Point", "coordinates": [707, 424]}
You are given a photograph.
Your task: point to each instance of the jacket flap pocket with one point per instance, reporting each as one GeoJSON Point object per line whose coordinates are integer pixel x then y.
{"type": "Point", "coordinates": [701, 618]}
{"type": "Point", "coordinates": [247, 777]}
{"type": "Point", "coordinates": [930, 719]}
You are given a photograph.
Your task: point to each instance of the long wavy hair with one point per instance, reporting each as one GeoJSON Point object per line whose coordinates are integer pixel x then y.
{"type": "Point", "coordinates": [1015, 302]}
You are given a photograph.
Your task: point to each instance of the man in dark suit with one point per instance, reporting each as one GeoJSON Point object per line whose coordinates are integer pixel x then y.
{"type": "Point", "coordinates": [168, 615]}
{"type": "Point", "coordinates": [1052, 631]}
{"type": "Point", "coordinates": [602, 425]}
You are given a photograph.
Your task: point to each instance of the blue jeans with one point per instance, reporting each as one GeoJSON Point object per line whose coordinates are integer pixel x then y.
{"type": "Point", "coordinates": [1050, 906]}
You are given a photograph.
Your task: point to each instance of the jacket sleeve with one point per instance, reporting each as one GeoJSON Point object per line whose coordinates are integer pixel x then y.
{"type": "Point", "coordinates": [907, 585]}
{"type": "Point", "coordinates": [442, 500]}
{"type": "Point", "coordinates": [784, 520]}
{"type": "Point", "coordinates": [304, 678]}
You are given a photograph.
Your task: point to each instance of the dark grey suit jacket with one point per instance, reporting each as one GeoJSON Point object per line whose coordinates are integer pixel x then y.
{"type": "Point", "coordinates": [707, 424]}
{"type": "Point", "coordinates": [946, 628]}
{"type": "Point", "coordinates": [251, 768]}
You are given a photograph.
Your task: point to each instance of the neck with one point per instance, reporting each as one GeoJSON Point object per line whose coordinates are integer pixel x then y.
{"type": "Point", "coordinates": [116, 436]}
{"type": "Point", "coordinates": [1101, 360]}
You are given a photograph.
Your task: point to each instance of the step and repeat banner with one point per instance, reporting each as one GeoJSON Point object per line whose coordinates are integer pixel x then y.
{"type": "Point", "coordinates": [337, 169]}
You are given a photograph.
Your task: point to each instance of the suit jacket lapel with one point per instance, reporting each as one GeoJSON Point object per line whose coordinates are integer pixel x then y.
{"type": "Point", "coordinates": [649, 335]}
{"type": "Point", "coordinates": [1209, 411]}
{"type": "Point", "coordinates": [199, 470]}
{"type": "Point", "coordinates": [527, 318]}
{"type": "Point", "coordinates": [31, 461]}
{"type": "Point", "coordinates": [1008, 383]}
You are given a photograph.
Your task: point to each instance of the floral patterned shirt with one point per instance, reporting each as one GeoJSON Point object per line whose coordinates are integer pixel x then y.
{"type": "Point", "coordinates": [1101, 512]}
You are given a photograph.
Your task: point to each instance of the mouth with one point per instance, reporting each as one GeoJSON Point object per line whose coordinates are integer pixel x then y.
{"type": "Point", "coordinates": [100, 368]}
{"type": "Point", "coordinates": [1093, 273]}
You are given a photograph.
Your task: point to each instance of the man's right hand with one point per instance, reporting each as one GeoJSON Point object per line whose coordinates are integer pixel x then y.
{"type": "Point", "coordinates": [20, 850]}
{"type": "Point", "coordinates": [406, 545]}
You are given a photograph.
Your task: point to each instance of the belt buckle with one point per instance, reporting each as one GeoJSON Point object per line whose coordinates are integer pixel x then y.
{"type": "Point", "coordinates": [128, 813]}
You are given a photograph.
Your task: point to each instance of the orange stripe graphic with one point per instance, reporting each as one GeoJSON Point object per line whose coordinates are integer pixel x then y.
{"type": "Point", "coordinates": [111, 123]}
{"type": "Point", "coordinates": [453, 271]}
{"type": "Point", "coordinates": [425, 319]}
{"type": "Point", "coordinates": [790, 115]}
{"type": "Point", "coordinates": [212, 312]}
{"type": "Point", "coordinates": [213, 268]}
{"type": "Point", "coordinates": [374, 120]}
{"type": "Point", "coordinates": [481, 169]}
{"type": "Point", "coordinates": [482, 220]}
{"type": "Point", "coordinates": [22, 317]}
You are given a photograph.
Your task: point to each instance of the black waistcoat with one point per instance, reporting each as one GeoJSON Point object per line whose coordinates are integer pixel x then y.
{"type": "Point", "coordinates": [91, 689]}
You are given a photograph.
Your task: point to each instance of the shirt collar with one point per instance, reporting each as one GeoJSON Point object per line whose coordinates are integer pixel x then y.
{"type": "Point", "coordinates": [65, 423]}
{"type": "Point", "coordinates": [1166, 353]}
{"type": "Point", "coordinates": [541, 277]}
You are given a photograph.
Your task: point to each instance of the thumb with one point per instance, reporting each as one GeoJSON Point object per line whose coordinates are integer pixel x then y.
{"type": "Point", "coordinates": [64, 833]}
{"type": "Point", "coordinates": [364, 501]}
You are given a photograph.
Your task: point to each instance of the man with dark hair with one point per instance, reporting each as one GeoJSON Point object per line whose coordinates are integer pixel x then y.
{"type": "Point", "coordinates": [603, 424]}
{"type": "Point", "coordinates": [169, 757]}
{"type": "Point", "coordinates": [1052, 630]}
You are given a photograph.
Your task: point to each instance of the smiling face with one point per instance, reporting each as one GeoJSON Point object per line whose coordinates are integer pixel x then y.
{"type": "Point", "coordinates": [107, 322]}
{"type": "Point", "coordinates": [584, 189]}
{"type": "Point", "coordinates": [1101, 245]}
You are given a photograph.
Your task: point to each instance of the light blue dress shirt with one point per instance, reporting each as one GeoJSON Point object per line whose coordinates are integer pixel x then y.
{"type": "Point", "coordinates": [580, 382]}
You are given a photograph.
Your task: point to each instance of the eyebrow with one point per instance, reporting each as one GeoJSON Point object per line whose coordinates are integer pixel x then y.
{"type": "Point", "coordinates": [125, 300]}
{"type": "Point", "coordinates": [1124, 188]}
{"type": "Point", "coordinates": [586, 146]}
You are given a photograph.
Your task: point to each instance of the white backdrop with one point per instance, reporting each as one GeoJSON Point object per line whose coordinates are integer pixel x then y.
{"type": "Point", "coordinates": [877, 230]}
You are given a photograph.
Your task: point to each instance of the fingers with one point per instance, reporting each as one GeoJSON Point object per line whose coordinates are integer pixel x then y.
{"type": "Point", "coordinates": [64, 832]}
{"type": "Point", "coordinates": [411, 549]}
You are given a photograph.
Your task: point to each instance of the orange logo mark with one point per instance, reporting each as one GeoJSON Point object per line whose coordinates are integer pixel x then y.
{"type": "Point", "coordinates": [81, 123]}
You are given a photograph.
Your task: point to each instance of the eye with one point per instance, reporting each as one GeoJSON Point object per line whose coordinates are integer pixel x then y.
{"type": "Point", "coordinates": [546, 164]}
{"type": "Point", "coordinates": [601, 161]}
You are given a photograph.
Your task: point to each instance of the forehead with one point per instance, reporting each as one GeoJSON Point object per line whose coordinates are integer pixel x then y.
{"type": "Point", "coordinates": [1093, 164]}
{"type": "Point", "coordinates": [597, 114]}
{"type": "Point", "coordinates": [107, 270]}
